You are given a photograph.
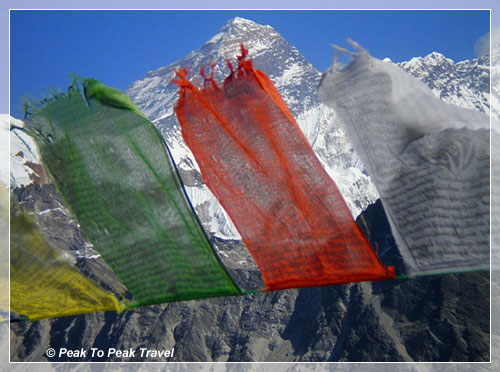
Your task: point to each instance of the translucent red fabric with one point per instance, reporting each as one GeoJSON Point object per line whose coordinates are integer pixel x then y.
{"type": "Point", "coordinates": [259, 165]}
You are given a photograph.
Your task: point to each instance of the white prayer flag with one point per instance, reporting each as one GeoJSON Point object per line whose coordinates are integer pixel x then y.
{"type": "Point", "coordinates": [429, 160]}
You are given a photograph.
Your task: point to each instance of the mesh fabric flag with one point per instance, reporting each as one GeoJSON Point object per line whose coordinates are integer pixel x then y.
{"type": "Point", "coordinates": [116, 174]}
{"type": "Point", "coordinates": [259, 165]}
{"type": "Point", "coordinates": [43, 284]}
{"type": "Point", "coordinates": [428, 159]}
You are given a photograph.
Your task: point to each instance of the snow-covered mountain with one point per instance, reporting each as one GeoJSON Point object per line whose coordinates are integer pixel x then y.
{"type": "Point", "coordinates": [436, 318]}
{"type": "Point", "coordinates": [495, 82]}
{"type": "Point", "coordinates": [292, 74]}
{"type": "Point", "coordinates": [24, 155]}
{"type": "Point", "coordinates": [464, 83]}
{"type": "Point", "coordinates": [297, 81]}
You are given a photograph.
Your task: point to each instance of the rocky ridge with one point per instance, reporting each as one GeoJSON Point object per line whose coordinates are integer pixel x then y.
{"type": "Point", "coordinates": [434, 318]}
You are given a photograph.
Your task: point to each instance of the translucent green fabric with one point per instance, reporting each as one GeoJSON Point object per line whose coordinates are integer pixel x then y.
{"type": "Point", "coordinates": [115, 172]}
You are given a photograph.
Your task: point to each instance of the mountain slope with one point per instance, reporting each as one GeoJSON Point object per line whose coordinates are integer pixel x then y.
{"type": "Point", "coordinates": [465, 84]}
{"type": "Point", "coordinates": [294, 77]}
{"type": "Point", "coordinates": [495, 82]}
{"type": "Point", "coordinates": [438, 318]}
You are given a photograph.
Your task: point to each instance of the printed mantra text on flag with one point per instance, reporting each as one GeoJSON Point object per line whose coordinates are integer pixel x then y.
{"type": "Point", "coordinates": [429, 160]}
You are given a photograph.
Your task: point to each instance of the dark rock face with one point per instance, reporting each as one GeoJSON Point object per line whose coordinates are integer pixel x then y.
{"type": "Point", "coordinates": [436, 318]}
{"type": "Point", "coordinates": [62, 232]}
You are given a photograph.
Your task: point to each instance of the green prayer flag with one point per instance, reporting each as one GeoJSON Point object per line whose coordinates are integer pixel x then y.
{"type": "Point", "coordinates": [114, 170]}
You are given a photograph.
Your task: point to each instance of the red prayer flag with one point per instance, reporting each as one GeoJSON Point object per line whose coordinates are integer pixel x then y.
{"type": "Point", "coordinates": [260, 166]}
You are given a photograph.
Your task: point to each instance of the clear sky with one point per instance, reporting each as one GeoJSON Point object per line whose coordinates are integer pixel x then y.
{"type": "Point", "coordinates": [119, 47]}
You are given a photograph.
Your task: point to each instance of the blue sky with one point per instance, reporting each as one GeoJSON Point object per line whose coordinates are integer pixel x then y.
{"type": "Point", "coordinates": [150, 61]}
{"type": "Point", "coordinates": [119, 47]}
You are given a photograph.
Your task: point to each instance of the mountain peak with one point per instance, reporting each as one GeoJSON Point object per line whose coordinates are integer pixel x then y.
{"type": "Point", "coordinates": [238, 27]}
{"type": "Point", "coordinates": [432, 59]}
{"type": "Point", "coordinates": [451, 81]}
{"type": "Point", "coordinates": [241, 26]}
{"type": "Point", "coordinates": [240, 21]}
{"type": "Point", "coordinates": [243, 23]}
{"type": "Point", "coordinates": [436, 57]}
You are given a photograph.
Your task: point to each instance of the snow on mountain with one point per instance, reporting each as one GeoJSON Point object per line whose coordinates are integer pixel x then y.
{"type": "Point", "coordinates": [294, 77]}
{"type": "Point", "coordinates": [292, 74]}
{"type": "Point", "coordinates": [495, 82]}
{"type": "Point", "coordinates": [24, 156]}
{"type": "Point", "coordinates": [25, 161]}
{"type": "Point", "coordinates": [323, 312]}
{"type": "Point", "coordinates": [465, 84]}
{"type": "Point", "coordinates": [327, 137]}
